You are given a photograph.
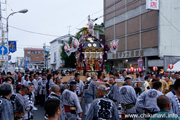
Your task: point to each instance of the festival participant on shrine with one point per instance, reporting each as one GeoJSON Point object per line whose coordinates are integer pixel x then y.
{"type": "Point", "coordinates": [127, 97]}
{"type": "Point", "coordinates": [174, 97]}
{"type": "Point", "coordinates": [147, 100]}
{"type": "Point", "coordinates": [114, 89]}
{"type": "Point", "coordinates": [165, 106]}
{"type": "Point", "coordinates": [71, 103]}
{"type": "Point", "coordinates": [89, 92]}
{"type": "Point", "coordinates": [55, 94]}
{"type": "Point", "coordinates": [102, 107]}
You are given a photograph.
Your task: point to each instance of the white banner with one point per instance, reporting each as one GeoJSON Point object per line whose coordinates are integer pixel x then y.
{"type": "Point", "coordinates": [152, 4]}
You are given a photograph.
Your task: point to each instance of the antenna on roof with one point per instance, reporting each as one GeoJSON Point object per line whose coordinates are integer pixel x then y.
{"type": "Point", "coordinates": [69, 29]}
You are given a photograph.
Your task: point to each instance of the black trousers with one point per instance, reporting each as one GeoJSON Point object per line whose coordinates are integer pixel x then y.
{"type": "Point", "coordinates": [41, 100]}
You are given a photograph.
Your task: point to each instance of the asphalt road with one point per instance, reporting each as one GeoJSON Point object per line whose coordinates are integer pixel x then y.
{"type": "Point", "coordinates": [39, 114]}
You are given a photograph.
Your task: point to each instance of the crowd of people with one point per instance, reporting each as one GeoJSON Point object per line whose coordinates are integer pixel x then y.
{"type": "Point", "coordinates": [97, 98]}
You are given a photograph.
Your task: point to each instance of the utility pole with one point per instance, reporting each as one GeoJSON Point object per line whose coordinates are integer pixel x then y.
{"type": "Point", "coordinates": [44, 46]}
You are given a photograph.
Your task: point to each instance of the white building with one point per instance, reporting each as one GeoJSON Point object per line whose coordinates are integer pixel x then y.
{"type": "Point", "coordinates": [55, 51]}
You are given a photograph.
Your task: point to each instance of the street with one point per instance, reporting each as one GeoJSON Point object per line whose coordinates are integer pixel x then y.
{"type": "Point", "coordinates": [39, 114]}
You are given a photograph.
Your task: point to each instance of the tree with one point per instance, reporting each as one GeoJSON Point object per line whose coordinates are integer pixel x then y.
{"type": "Point", "coordinates": [69, 60]}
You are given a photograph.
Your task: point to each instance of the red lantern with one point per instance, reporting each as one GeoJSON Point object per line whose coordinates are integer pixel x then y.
{"type": "Point", "coordinates": [114, 44]}
{"type": "Point", "coordinates": [171, 66]}
{"type": "Point", "coordinates": [134, 70]}
{"type": "Point", "coordinates": [127, 70]}
{"type": "Point", "coordinates": [138, 69]}
{"type": "Point", "coordinates": [155, 68]}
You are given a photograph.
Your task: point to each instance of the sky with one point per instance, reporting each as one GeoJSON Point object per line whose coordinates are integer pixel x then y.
{"type": "Point", "coordinates": [50, 17]}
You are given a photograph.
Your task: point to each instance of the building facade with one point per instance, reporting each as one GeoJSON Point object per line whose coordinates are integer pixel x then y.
{"type": "Point", "coordinates": [55, 51]}
{"type": "Point", "coordinates": [34, 57]}
{"type": "Point", "coordinates": [152, 35]}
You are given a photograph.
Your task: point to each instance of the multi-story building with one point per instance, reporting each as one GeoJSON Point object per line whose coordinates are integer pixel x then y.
{"type": "Point", "coordinates": [34, 57]}
{"type": "Point", "coordinates": [152, 35]}
{"type": "Point", "coordinates": [55, 51]}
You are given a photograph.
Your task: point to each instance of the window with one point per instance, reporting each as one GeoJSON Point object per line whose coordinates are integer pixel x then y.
{"type": "Point", "coordinates": [36, 52]}
{"type": "Point", "coordinates": [32, 52]}
{"type": "Point", "coordinates": [28, 52]}
{"type": "Point", "coordinates": [39, 52]}
{"type": "Point", "coordinates": [37, 57]}
{"type": "Point", "coordinates": [42, 52]}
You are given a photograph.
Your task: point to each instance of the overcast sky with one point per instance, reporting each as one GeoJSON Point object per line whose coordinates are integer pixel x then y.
{"type": "Point", "coordinates": [49, 17]}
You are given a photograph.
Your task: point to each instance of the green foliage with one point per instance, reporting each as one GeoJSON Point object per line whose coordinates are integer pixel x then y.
{"type": "Point", "coordinates": [78, 35]}
{"type": "Point", "coordinates": [69, 61]}
{"type": "Point", "coordinates": [101, 31]}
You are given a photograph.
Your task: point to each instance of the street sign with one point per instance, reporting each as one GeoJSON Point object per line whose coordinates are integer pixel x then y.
{"type": "Point", "coordinates": [12, 46]}
{"type": "Point", "coordinates": [9, 57]}
{"type": "Point", "coordinates": [3, 50]}
{"type": "Point", "coordinates": [3, 58]}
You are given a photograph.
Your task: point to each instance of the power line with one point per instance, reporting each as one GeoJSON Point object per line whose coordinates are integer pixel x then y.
{"type": "Point", "coordinates": [96, 12]}
{"type": "Point", "coordinates": [33, 32]}
{"type": "Point", "coordinates": [79, 24]}
{"type": "Point", "coordinates": [86, 19]}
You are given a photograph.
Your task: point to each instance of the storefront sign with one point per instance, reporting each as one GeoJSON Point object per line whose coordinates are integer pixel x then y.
{"type": "Point", "coordinates": [152, 4]}
{"type": "Point", "coordinates": [127, 54]}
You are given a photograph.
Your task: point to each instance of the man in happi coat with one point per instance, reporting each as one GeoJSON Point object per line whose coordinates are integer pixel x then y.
{"type": "Point", "coordinates": [127, 97]}
{"type": "Point", "coordinates": [55, 94]}
{"type": "Point", "coordinates": [80, 86]}
{"type": "Point", "coordinates": [114, 89]}
{"type": "Point", "coordinates": [174, 97]}
{"type": "Point", "coordinates": [102, 108]}
{"type": "Point", "coordinates": [71, 103]}
{"type": "Point", "coordinates": [89, 92]}
{"type": "Point", "coordinates": [147, 101]}
{"type": "Point", "coordinates": [6, 108]}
